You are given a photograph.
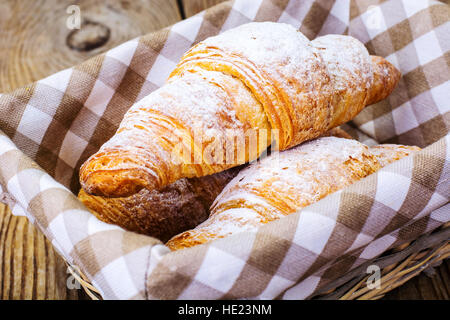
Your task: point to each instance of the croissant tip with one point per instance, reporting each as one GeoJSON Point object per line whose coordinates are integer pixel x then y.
{"type": "Point", "coordinates": [386, 78]}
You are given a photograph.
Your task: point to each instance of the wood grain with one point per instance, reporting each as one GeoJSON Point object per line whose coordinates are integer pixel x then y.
{"type": "Point", "coordinates": [29, 267]}
{"type": "Point", "coordinates": [34, 34]}
{"type": "Point", "coordinates": [34, 44]}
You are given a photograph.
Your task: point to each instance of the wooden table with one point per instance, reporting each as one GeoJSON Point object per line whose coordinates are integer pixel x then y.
{"type": "Point", "coordinates": [32, 46]}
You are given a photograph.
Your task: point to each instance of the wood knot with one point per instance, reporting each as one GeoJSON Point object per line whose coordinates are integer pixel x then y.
{"type": "Point", "coordinates": [90, 36]}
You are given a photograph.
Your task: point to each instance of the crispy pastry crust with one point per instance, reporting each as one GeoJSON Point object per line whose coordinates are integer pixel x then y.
{"type": "Point", "coordinates": [243, 82]}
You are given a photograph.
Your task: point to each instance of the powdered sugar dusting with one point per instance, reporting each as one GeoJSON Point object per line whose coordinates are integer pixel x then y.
{"type": "Point", "coordinates": [306, 85]}
{"type": "Point", "coordinates": [388, 153]}
{"type": "Point", "coordinates": [300, 175]}
{"type": "Point", "coordinates": [348, 62]}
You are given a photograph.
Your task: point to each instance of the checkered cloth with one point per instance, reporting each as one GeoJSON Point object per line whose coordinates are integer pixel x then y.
{"type": "Point", "coordinates": [52, 126]}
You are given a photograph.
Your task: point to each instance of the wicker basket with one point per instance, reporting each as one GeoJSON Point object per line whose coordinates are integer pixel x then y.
{"type": "Point", "coordinates": [397, 266]}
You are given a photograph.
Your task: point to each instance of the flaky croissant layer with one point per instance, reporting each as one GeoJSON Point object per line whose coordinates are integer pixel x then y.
{"type": "Point", "coordinates": [252, 86]}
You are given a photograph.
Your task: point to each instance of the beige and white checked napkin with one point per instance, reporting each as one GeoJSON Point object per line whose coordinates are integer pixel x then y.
{"type": "Point", "coordinates": [49, 128]}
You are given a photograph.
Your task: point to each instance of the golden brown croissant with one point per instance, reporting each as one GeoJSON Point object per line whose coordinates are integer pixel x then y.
{"type": "Point", "coordinates": [180, 206]}
{"type": "Point", "coordinates": [278, 186]}
{"type": "Point", "coordinates": [229, 98]}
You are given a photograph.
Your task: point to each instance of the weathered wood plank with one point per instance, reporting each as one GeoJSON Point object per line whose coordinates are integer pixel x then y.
{"type": "Point", "coordinates": [36, 41]}
{"type": "Point", "coordinates": [29, 266]}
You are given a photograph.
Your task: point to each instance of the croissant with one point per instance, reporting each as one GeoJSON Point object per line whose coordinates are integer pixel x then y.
{"type": "Point", "coordinates": [229, 98]}
{"type": "Point", "coordinates": [278, 186]}
{"type": "Point", "coordinates": [162, 214]}
{"type": "Point", "coordinates": [178, 207]}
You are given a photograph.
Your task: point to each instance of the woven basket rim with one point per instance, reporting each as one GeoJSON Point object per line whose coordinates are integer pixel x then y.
{"type": "Point", "coordinates": [404, 263]}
